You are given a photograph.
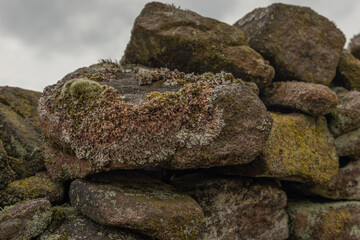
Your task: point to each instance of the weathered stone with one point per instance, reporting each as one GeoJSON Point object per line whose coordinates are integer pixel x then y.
{"type": "Point", "coordinates": [132, 200]}
{"type": "Point", "coordinates": [324, 221]}
{"type": "Point", "coordinates": [20, 132]}
{"type": "Point", "coordinates": [68, 223]}
{"type": "Point", "coordinates": [38, 186]}
{"type": "Point", "coordinates": [348, 144]}
{"type": "Point", "coordinates": [345, 185]}
{"type": "Point", "coordinates": [6, 173]}
{"type": "Point", "coordinates": [311, 98]}
{"type": "Point", "coordinates": [137, 118]}
{"type": "Point", "coordinates": [300, 148]}
{"type": "Point", "coordinates": [237, 208]}
{"type": "Point", "coordinates": [298, 42]}
{"type": "Point", "coordinates": [348, 71]}
{"type": "Point", "coordinates": [25, 220]}
{"type": "Point", "coordinates": [346, 116]}
{"type": "Point", "coordinates": [164, 35]}
{"type": "Point", "coordinates": [354, 46]}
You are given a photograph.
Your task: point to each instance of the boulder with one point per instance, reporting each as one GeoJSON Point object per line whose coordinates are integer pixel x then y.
{"type": "Point", "coordinates": [135, 201]}
{"type": "Point", "coordinates": [311, 98]}
{"type": "Point", "coordinates": [324, 221]}
{"type": "Point", "coordinates": [164, 35]}
{"type": "Point", "coordinates": [68, 223]}
{"type": "Point", "coordinates": [348, 144]}
{"type": "Point", "coordinates": [345, 185]}
{"type": "Point", "coordinates": [354, 46]}
{"type": "Point", "coordinates": [346, 117]}
{"type": "Point", "coordinates": [6, 173]}
{"type": "Point", "coordinates": [131, 118]}
{"type": "Point", "coordinates": [21, 150]}
{"type": "Point", "coordinates": [237, 208]}
{"type": "Point", "coordinates": [348, 71]}
{"type": "Point", "coordinates": [300, 148]}
{"type": "Point", "coordinates": [25, 220]}
{"type": "Point", "coordinates": [38, 186]}
{"type": "Point", "coordinates": [298, 42]}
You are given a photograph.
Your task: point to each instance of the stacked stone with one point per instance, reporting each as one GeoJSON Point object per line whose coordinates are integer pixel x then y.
{"type": "Point", "coordinates": [202, 132]}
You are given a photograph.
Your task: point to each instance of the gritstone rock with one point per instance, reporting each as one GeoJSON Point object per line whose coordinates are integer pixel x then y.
{"type": "Point", "coordinates": [348, 144]}
{"type": "Point", "coordinates": [324, 221]}
{"type": "Point", "coordinates": [354, 46]}
{"type": "Point", "coordinates": [25, 220]}
{"type": "Point", "coordinates": [346, 116]}
{"type": "Point", "coordinates": [167, 36]}
{"type": "Point", "coordinates": [138, 117]}
{"type": "Point", "coordinates": [237, 208]}
{"type": "Point", "coordinates": [300, 148]}
{"type": "Point", "coordinates": [348, 71]}
{"type": "Point", "coordinates": [298, 42]}
{"type": "Point", "coordinates": [68, 223]}
{"type": "Point", "coordinates": [38, 186]}
{"type": "Point", "coordinates": [21, 153]}
{"type": "Point", "coordinates": [311, 98]}
{"type": "Point", "coordinates": [134, 201]}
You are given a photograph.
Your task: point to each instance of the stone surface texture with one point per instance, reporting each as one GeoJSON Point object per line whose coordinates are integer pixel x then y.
{"type": "Point", "coordinates": [346, 117]}
{"type": "Point", "coordinates": [354, 46]}
{"type": "Point", "coordinates": [298, 42]}
{"type": "Point", "coordinates": [21, 150]}
{"type": "Point", "coordinates": [25, 220]}
{"type": "Point", "coordinates": [348, 144]}
{"type": "Point", "coordinates": [140, 203]}
{"type": "Point", "coordinates": [138, 117]}
{"type": "Point", "coordinates": [348, 71]}
{"type": "Point", "coordinates": [300, 148]}
{"type": "Point", "coordinates": [237, 208]}
{"type": "Point", "coordinates": [164, 35]}
{"type": "Point", "coordinates": [324, 221]}
{"type": "Point", "coordinates": [38, 186]}
{"type": "Point", "coordinates": [311, 98]}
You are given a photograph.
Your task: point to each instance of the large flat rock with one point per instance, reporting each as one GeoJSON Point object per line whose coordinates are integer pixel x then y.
{"type": "Point", "coordinates": [132, 200]}
{"type": "Point", "coordinates": [164, 35]}
{"type": "Point", "coordinates": [301, 44]}
{"type": "Point", "coordinates": [237, 208]}
{"type": "Point", "coordinates": [26, 220]}
{"type": "Point", "coordinates": [300, 148]}
{"type": "Point", "coordinates": [324, 221]}
{"type": "Point", "coordinates": [128, 118]}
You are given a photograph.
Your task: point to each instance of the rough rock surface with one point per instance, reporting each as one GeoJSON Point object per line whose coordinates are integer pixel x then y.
{"type": "Point", "coordinates": [38, 186]}
{"type": "Point", "coordinates": [311, 98]}
{"type": "Point", "coordinates": [345, 185]}
{"type": "Point", "coordinates": [348, 71]}
{"type": "Point", "coordinates": [25, 220]}
{"type": "Point", "coordinates": [132, 200]}
{"type": "Point", "coordinates": [298, 42]}
{"type": "Point", "coordinates": [164, 35]}
{"type": "Point", "coordinates": [348, 144]}
{"type": "Point", "coordinates": [354, 46]}
{"type": "Point", "coordinates": [136, 118]}
{"type": "Point", "coordinates": [346, 116]}
{"type": "Point", "coordinates": [324, 221]}
{"type": "Point", "coordinates": [300, 148]}
{"type": "Point", "coordinates": [21, 153]}
{"type": "Point", "coordinates": [69, 224]}
{"type": "Point", "coordinates": [237, 208]}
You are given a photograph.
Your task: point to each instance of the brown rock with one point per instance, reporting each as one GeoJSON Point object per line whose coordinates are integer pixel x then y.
{"type": "Point", "coordinates": [298, 42]}
{"type": "Point", "coordinates": [348, 71]}
{"type": "Point", "coordinates": [346, 117]}
{"type": "Point", "coordinates": [134, 201]}
{"type": "Point", "coordinates": [25, 220]}
{"type": "Point", "coordinates": [348, 144]}
{"type": "Point", "coordinates": [238, 208]}
{"type": "Point", "coordinates": [300, 148]}
{"type": "Point", "coordinates": [354, 46]}
{"type": "Point", "coordinates": [21, 150]}
{"type": "Point", "coordinates": [164, 35]}
{"type": "Point", "coordinates": [311, 98]}
{"type": "Point", "coordinates": [136, 117]}
{"type": "Point", "coordinates": [323, 221]}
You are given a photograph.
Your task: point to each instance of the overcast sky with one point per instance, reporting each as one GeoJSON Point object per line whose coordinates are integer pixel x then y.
{"type": "Point", "coordinates": [43, 40]}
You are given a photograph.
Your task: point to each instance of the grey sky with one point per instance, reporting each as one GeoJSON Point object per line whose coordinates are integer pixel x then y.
{"type": "Point", "coordinates": [42, 40]}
